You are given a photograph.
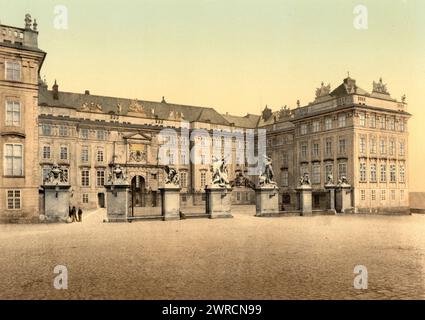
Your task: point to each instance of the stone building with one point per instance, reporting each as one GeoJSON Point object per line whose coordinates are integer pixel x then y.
{"type": "Point", "coordinates": [345, 132]}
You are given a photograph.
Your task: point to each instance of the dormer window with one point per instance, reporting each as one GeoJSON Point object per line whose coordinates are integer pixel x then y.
{"type": "Point", "coordinates": [13, 71]}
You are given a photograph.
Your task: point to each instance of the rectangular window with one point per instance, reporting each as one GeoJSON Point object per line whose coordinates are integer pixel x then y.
{"type": "Point", "coordinates": [14, 201]}
{"type": "Point", "coordinates": [316, 126]}
{"type": "Point", "coordinates": [393, 174]}
{"type": "Point", "coordinates": [13, 70]}
{"type": "Point", "coordinates": [402, 174]}
{"type": "Point", "coordinates": [373, 120]}
{"type": "Point", "coordinates": [85, 178]}
{"type": "Point", "coordinates": [13, 114]}
{"type": "Point", "coordinates": [85, 198]}
{"type": "Point", "coordinates": [85, 134]}
{"type": "Point", "coordinates": [46, 129]}
{"type": "Point", "coordinates": [238, 196]}
{"type": "Point", "coordinates": [402, 149]}
{"type": "Point", "coordinates": [402, 195]}
{"type": "Point", "coordinates": [183, 179]}
{"type": "Point", "coordinates": [391, 150]}
{"type": "Point", "coordinates": [342, 170]}
{"type": "Point", "coordinates": [373, 195]}
{"type": "Point", "coordinates": [383, 195]}
{"type": "Point", "coordinates": [64, 153]}
{"type": "Point", "coordinates": [383, 147]}
{"type": "Point", "coordinates": [362, 145]}
{"type": "Point", "coordinates": [362, 119]}
{"type": "Point", "coordinates": [303, 129]}
{"type": "Point", "coordinates": [328, 147]}
{"type": "Point", "coordinates": [373, 145]}
{"type": "Point", "coordinates": [100, 135]}
{"type": "Point", "coordinates": [13, 157]}
{"type": "Point", "coordinates": [402, 126]}
{"type": "Point", "coordinates": [285, 180]}
{"type": "Point", "coordinates": [383, 173]}
{"type": "Point", "coordinates": [315, 174]}
{"type": "Point", "coordinates": [373, 172]}
{"type": "Point", "coordinates": [341, 120]}
{"type": "Point", "coordinates": [100, 178]}
{"type": "Point", "coordinates": [315, 150]}
{"type": "Point", "coordinates": [304, 151]}
{"type": "Point", "coordinates": [341, 146]}
{"type": "Point", "coordinates": [63, 131]}
{"type": "Point", "coordinates": [362, 172]}
{"type": "Point", "coordinates": [203, 179]}
{"type": "Point", "coordinates": [392, 124]}
{"type": "Point", "coordinates": [363, 195]}
{"type": "Point", "coordinates": [100, 157]}
{"type": "Point", "coordinates": [46, 152]}
{"type": "Point", "coordinates": [382, 122]}
{"type": "Point", "coordinates": [393, 195]}
{"type": "Point", "coordinates": [85, 154]}
{"type": "Point", "coordinates": [328, 123]}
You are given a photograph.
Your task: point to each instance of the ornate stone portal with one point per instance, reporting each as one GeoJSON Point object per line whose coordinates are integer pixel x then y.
{"type": "Point", "coordinates": [170, 195]}
{"type": "Point", "coordinates": [267, 192]}
{"type": "Point", "coordinates": [117, 189]}
{"type": "Point", "coordinates": [219, 195]}
{"type": "Point", "coordinates": [56, 196]}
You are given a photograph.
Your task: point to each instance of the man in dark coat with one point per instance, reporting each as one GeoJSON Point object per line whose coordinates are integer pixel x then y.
{"type": "Point", "coordinates": [80, 215]}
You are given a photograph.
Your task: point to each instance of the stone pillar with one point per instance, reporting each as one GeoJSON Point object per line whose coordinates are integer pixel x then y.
{"type": "Point", "coordinates": [343, 198]}
{"type": "Point", "coordinates": [170, 197]}
{"type": "Point", "coordinates": [56, 202]}
{"type": "Point", "coordinates": [219, 202]}
{"type": "Point", "coordinates": [117, 202]}
{"type": "Point", "coordinates": [267, 201]}
{"type": "Point", "coordinates": [305, 200]}
{"type": "Point", "coordinates": [331, 189]}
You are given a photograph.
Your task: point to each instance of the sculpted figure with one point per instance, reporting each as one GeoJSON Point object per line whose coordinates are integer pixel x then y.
{"type": "Point", "coordinates": [172, 176]}
{"type": "Point", "coordinates": [219, 172]}
{"type": "Point", "coordinates": [267, 176]}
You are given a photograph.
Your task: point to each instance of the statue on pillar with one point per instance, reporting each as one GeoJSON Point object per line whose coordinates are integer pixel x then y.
{"type": "Point", "coordinates": [117, 175]}
{"type": "Point", "coordinates": [305, 180]}
{"type": "Point", "coordinates": [266, 178]}
{"type": "Point", "coordinates": [219, 173]}
{"type": "Point", "coordinates": [330, 180]}
{"type": "Point", "coordinates": [172, 176]}
{"type": "Point", "coordinates": [56, 175]}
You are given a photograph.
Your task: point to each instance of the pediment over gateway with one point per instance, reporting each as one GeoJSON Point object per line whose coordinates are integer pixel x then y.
{"type": "Point", "coordinates": [138, 137]}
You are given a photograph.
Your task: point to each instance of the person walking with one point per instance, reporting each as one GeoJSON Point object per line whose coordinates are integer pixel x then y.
{"type": "Point", "coordinates": [74, 214]}
{"type": "Point", "coordinates": [80, 215]}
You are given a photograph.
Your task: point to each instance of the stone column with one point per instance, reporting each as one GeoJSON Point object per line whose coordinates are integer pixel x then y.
{"type": "Point", "coordinates": [343, 198]}
{"type": "Point", "coordinates": [219, 202]}
{"type": "Point", "coordinates": [170, 197]}
{"type": "Point", "coordinates": [305, 200]}
{"type": "Point", "coordinates": [117, 201]}
{"type": "Point", "coordinates": [331, 189]}
{"type": "Point", "coordinates": [56, 202]}
{"type": "Point", "coordinates": [267, 201]}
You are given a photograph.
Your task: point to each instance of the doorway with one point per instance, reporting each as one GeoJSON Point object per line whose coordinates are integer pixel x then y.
{"type": "Point", "coordinates": [101, 200]}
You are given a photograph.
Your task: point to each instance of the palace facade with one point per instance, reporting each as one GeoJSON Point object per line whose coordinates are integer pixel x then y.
{"type": "Point", "coordinates": [345, 132]}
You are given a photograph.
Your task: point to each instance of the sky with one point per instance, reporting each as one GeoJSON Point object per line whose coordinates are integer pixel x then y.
{"type": "Point", "coordinates": [234, 55]}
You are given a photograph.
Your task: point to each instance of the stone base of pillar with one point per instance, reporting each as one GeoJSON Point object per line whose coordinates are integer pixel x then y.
{"type": "Point", "coordinates": [331, 188]}
{"type": "Point", "coordinates": [305, 200]}
{"type": "Point", "coordinates": [219, 202]}
{"type": "Point", "coordinates": [117, 202]}
{"type": "Point", "coordinates": [267, 201]}
{"type": "Point", "coordinates": [56, 203]}
{"type": "Point", "coordinates": [343, 198]}
{"type": "Point", "coordinates": [170, 196]}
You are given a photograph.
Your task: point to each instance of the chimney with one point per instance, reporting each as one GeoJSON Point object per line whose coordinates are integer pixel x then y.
{"type": "Point", "coordinates": [87, 92]}
{"type": "Point", "coordinates": [55, 90]}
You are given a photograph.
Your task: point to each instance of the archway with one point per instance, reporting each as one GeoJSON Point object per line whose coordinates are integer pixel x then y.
{"type": "Point", "coordinates": [138, 192]}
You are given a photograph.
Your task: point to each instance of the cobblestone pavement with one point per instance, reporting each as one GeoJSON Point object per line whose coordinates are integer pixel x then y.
{"type": "Point", "coordinates": [241, 258]}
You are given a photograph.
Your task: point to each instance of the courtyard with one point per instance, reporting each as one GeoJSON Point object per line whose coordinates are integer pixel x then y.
{"type": "Point", "coordinates": [241, 258]}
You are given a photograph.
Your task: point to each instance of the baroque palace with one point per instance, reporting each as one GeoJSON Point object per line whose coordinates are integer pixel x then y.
{"type": "Point", "coordinates": [345, 132]}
